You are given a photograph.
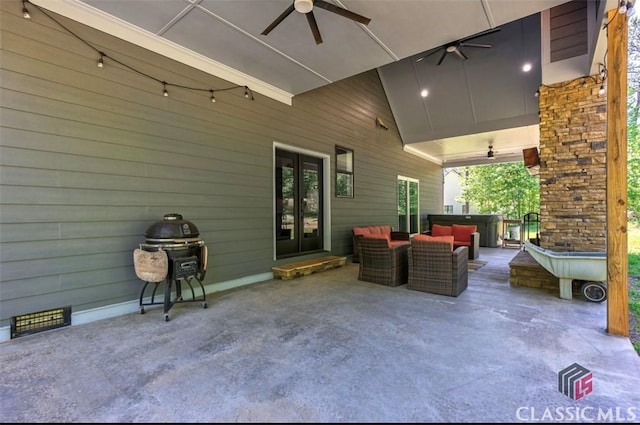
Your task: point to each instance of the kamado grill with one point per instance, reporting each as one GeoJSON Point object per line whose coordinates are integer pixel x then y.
{"type": "Point", "coordinates": [172, 253]}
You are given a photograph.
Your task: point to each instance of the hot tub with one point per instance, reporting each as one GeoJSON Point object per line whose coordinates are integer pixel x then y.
{"type": "Point", "coordinates": [567, 266]}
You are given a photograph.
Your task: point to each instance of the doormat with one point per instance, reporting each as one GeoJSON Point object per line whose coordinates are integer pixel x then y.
{"type": "Point", "coordinates": [475, 265]}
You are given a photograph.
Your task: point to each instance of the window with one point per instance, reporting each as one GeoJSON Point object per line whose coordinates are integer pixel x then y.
{"type": "Point", "coordinates": [344, 172]}
{"type": "Point", "coordinates": [448, 209]}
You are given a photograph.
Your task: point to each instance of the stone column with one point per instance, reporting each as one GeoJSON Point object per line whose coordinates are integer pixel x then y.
{"type": "Point", "coordinates": [573, 213]}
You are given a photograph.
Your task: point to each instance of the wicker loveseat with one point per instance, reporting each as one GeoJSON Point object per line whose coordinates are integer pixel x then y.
{"type": "Point", "coordinates": [436, 267]}
{"type": "Point", "coordinates": [383, 263]}
{"type": "Point", "coordinates": [394, 238]}
{"type": "Point", "coordinates": [463, 235]}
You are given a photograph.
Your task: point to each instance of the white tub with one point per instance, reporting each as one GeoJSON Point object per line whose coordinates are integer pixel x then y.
{"type": "Point", "coordinates": [566, 266]}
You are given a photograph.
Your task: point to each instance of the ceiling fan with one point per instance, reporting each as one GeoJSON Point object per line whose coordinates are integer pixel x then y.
{"type": "Point", "coordinates": [306, 7]}
{"type": "Point", "coordinates": [454, 47]}
{"type": "Point", "coordinates": [490, 153]}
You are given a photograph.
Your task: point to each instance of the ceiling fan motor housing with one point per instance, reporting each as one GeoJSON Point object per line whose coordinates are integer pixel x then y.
{"type": "Point", "coordinates": [303, 6]}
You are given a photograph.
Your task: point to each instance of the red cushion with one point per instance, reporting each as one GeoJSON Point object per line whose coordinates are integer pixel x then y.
{"type": "Point", "coordinates": [397, 242]}
{"type": "Point", "coordinates": [439, 230]}
{"type": "Point", "coordinates": [360, 231]}
{"type": "Point", "coordinates": [428, 238]}
{"type": "Point", "coordinates": [380, 230]}
{"type": "Point", "coordinates": [462, 232]}
{"type": "Point", "coordinates": [372, 230]}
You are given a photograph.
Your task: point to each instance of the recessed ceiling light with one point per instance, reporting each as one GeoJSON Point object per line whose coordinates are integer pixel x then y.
{"type": "Point", "coordinates": [526, 67]}
{"type": "Point", "coordinates": [424, 93]}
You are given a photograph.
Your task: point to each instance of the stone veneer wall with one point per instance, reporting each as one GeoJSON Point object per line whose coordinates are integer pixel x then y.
{"type": "Point", "coordinates": [572, 166]}
{"type": "Point", "coordinates": [524, 270]}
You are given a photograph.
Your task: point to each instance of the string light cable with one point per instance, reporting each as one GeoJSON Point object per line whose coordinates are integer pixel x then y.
{"type": "Point", "coordinates": [600, 78]}
{"type": "Point", "coordinates": [248, 94]}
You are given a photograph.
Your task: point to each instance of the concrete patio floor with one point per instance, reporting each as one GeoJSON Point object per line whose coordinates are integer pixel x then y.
{"type": "Point", "coordinates": [330, 348]}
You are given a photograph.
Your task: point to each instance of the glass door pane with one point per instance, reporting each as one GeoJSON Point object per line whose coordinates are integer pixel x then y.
{"type": "Point", "coordinates": [402, 206]}
{"type": "Point", "coordinates": [408, 205]}
{"type": "Point", "coordinates": [413, 207]}
{"type": "Point", "coordinates": [310, 203]}
{"type": "Point", "coordinates": [286, 208]}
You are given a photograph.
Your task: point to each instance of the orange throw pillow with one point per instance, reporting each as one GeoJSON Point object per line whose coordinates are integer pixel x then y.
{"type": "Point", "coordinates": [462, 232]}
{"type": "Point", "coordinates": [439, 230]}
{"type": "Point", "coordinates": [427, 238]}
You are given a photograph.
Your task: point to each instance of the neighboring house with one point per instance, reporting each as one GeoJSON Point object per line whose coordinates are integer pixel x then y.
{"type": "Point", "coordinates": [452, 203]}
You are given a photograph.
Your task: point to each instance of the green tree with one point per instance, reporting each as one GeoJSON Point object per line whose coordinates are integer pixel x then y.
{"type": "Point", "coordinates": [505, 188]}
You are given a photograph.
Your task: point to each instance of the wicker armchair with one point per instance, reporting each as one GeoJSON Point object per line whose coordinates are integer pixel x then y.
{"type": "Point", "coordinates": [435, 268]}
{"type": "Point", "coordinates": [381, 263]}
{"type": "Point", "coordinates": [395, 237]}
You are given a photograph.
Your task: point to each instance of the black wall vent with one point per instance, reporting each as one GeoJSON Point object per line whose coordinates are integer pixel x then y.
{"type": "Point", "coordinates": [41, 321]}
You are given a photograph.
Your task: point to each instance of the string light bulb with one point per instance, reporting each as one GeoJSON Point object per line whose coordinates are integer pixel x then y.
{"type": "Point", "coordinates": [623, 7]}
{"type": "Point", "coordinates": [626, 8]}
{"type": "Point", "coordinates": [25, 11]}
{"type": "Point", "coordinates": [100, 62]}
{"type": "Point", "coordinates": [602, 89]}
{"type": "Point", "coordinates": [537, 93]}
{"type": "Point", "coordinates": [247, 93]}
{"type": "Point", "coordinates": [630, 9]}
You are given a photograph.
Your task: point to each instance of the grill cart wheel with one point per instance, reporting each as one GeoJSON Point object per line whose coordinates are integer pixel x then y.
{"type": "Point", "coordinates": [594, 291]}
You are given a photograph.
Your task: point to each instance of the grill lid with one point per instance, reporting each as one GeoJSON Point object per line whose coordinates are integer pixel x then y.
{"type": "Point", "coordinates": [172, 227]}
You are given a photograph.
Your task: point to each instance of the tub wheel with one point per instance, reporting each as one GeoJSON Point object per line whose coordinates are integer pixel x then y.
{"type": "Point", "coordinates": [594, 291]}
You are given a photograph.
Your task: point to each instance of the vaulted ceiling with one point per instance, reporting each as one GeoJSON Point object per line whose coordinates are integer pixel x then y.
{"type": "Point", "coordinates": [485, 99]}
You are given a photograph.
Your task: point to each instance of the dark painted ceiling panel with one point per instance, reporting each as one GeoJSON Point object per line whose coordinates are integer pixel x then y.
{"type": "Point", "coordinates": [487, 91]}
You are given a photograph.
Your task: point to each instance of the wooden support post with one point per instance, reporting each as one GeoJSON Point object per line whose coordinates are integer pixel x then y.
{"type": "Point", "coordinates": [617, 252]}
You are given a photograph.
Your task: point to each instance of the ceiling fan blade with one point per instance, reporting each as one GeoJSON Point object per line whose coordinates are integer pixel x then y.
{"type": "Point", "coordinates": [428, 54]}
{"type": "Point", "coordinates": [444, 53]}
{"type": "Point", "coordinates": [342, 12]}
{"type": "Point", "coordinates": [486, 46]}
{"type": "Point", "coordinates": [459, 53]}
{"type": "Point", "coordinates": [279, 19]}
{"type": "Point", "coordinates": [314, 27]}
{"type": "Point", "coordinates": [480, 34]}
